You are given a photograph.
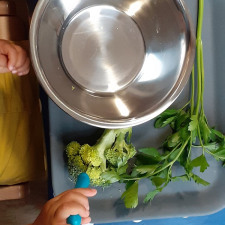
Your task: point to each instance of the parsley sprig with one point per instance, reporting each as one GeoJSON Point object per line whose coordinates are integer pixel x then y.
{"type": "Point", "coordinates": [189, 129]}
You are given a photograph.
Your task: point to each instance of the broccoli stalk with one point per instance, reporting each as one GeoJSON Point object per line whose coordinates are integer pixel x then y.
{"type": "Point", "coordinates": [105, 142]}
{"type": "Point", "coordinates": [112, 150]}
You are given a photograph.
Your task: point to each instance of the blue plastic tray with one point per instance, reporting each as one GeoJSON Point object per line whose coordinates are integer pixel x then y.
{"type": "Point", "coordinates": [180, 199]}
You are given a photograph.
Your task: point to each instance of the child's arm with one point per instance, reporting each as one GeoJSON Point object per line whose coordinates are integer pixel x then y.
{"type": "Point", "coordinates": [72, 202]}
{"type": "Point", "coordinates": [13, 59]}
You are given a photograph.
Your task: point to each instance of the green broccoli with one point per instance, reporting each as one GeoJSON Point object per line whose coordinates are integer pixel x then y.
{"type": "Point", "coordinates": [121, 151]}
{"type": "Point", "coordinates": [72, 149]}
{"type": "Point", "coordinates": [112, 151]}
{"type": "Point", "coordinates": [95, 176]}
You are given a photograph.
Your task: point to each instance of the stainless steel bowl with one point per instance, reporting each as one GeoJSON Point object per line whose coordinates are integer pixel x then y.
{"type": "Point", "coordinates": [112, 63]}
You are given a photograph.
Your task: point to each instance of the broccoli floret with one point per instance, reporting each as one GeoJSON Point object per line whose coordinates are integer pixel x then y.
{"type": "Point", "coordinates": [111, 151]}
{"type": "Point", "coordinates": [90, 155]}
{"type": "Point", "coordinates": [76, 166]}
{"type": "Point", "coordinates": [95, 176]}
{"type": "Point", "coordinates": [78, 162]}
{"type": "Point", "coordinates": [121, 151]}
{"type": "Point", "coordinates": [72, 148]}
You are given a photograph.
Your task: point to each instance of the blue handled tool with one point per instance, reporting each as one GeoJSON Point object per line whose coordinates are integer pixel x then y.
{"type": "Point", "coordinates": [83, 181]}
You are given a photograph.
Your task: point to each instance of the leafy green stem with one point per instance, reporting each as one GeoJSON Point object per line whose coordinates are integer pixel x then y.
{"type": "Point", "coordinates": [192, 89]}
{"type": "Point", "coordinates": [184, 106]}
{"type": "Point", "coordinates": [200, 140]}
{"type": "Point", "coordinates": [199, 91]}
{"type": "Point", "coordinates": [174, 160]}
{"type": "Point", "coordinates": [171, 152]}
{"type": "Point", "coordinates": [202, 79]}
{"type": "Point", "coordinates": [222, 157]}
{"type": "Point", "coordinates": [199, 54]}
{"type": "Point", "coordinates": [200, 19]}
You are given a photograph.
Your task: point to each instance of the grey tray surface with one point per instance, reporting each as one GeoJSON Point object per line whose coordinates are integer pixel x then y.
{"type": "Point", "coordinates": [178, 199]}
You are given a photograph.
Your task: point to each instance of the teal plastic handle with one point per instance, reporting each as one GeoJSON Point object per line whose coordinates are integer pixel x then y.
{"type": "Point", "coordinates": [83, 181]}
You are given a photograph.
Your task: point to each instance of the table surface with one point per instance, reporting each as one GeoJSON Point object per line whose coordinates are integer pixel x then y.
{"type": "Point", "coordinates": [215, 219]}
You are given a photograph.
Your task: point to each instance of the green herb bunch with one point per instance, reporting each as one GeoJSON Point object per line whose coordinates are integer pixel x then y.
{"type": "Point", "coordinates": [189, 129]}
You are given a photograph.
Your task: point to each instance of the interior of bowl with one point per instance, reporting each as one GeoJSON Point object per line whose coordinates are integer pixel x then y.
{"type": "Point", "coordinates": [112, 63]}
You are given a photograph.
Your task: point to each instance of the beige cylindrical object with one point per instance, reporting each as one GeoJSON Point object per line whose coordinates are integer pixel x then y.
{"type": "Point", "coordinates": [7, 8]}
{"type": "Point", "coordinates": [11, 26]}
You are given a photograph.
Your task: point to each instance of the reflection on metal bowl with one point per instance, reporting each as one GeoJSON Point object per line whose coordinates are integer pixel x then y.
{"type": "Point", "coordinates": [109, 63]}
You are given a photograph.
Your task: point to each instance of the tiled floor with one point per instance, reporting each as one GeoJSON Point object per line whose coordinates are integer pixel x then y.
{"type": "Point", "coordinates": [24, 211]}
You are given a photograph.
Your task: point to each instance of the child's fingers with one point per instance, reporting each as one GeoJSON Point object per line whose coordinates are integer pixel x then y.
{"type": "Point", "coordinates": [3, 64]}
{"type": "Point", "coordinates": [79, 194]}
{"type": "Point", "coordinates": [22, 57]}
{"type": "Point", "coordinates": [76, 197]}
{"type": "Point", "coordinates": [10, 51]}
{"type": "Point", "coordinates": [88, 192]}
{"type": "Point", "coordinates": [86, 220]}
{"type": "Point", "coordinates": [3, 60]}
{"type": "Point", "coordinates": [73, 202]}
{"type": "Point", "coordinates": [25, 68]}
{"type": "Point", "coordinates": [70, 208]}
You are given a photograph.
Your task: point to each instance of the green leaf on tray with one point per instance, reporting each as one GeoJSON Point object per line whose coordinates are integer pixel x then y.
{"type": "Point", "coordinates": [151, 195]}
{"type": "Point", "coordinates": [165, 118]}
{"type": "Point", "coordinates": [218, 134]}
{"type": "Point", "coordinates": [199, 180]}
{"type": "Point", "coordinates": [194, 123]}
{"type": "Point", "coordinates": [150, 169]}
{"type": "Point", "coordinates": [182, 120]}
{"type": "Point", "coordinates": [184, 133]}
{"type": "Point", "coordinates": [204, 130]}
{"type": "Point", "coordinates": [173, 140]}
{"type": "Point", "coordinates": [194, 135]}
{"type": "Point", "coordinates": [201, 162]}
{"type": "Point", "coordinates": [130, 196]}
{"type": "Point", "coordinates": [180, 178]}
{"type": "Point", "coordinates": [150, 152]}
{"type": "Point", "coordinates": [219, 154]}
{"type": "Point", "coordinates": [212, 146]}
{"type": "Point", "coordinates": [122, 169]}
{"type": "Point", "coordinates": [158, 181]}
{"type": "Point", "coordinates": [111, 176]}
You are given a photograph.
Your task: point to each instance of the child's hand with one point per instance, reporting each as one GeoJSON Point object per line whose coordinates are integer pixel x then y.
{"type": "Point", "coordinates": [72, 202]}
{"type": "Point", "coordinates": [13, 59]}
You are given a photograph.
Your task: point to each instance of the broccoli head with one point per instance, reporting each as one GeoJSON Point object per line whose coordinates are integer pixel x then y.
{"type": "Point", "coordinates": [90, 155]}
{"type": "Point", "coordinates": [111, 151]}
{"type": "Point", "coordinates": [72, 149]}
{"type": "Point", "coordinates": [95, 176]}
{"type": "Point", "coordinates": [121, 151]}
